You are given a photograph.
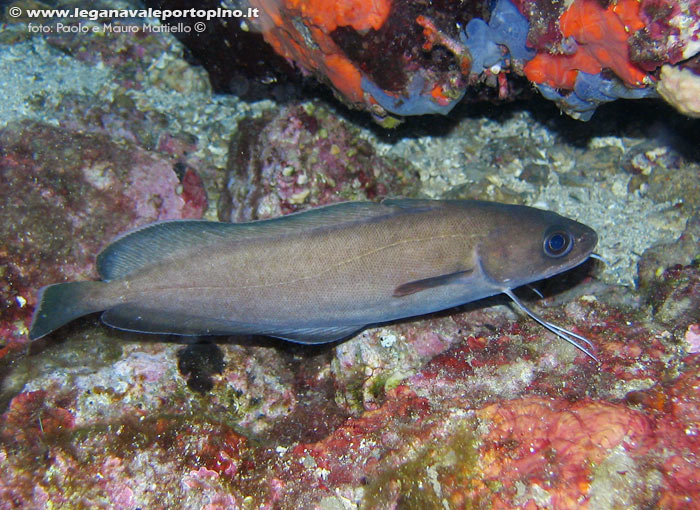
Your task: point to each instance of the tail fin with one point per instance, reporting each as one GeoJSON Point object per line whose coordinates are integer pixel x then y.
{"type": "Point", "coordinates": [61, 303]}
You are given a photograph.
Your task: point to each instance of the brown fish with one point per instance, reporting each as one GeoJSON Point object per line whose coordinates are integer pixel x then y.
{"type": "Point", "coordinates": [320, 275]}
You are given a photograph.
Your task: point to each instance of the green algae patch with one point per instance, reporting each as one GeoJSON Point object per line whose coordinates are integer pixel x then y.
{"type": "Point", "coordinates": [440, 476]}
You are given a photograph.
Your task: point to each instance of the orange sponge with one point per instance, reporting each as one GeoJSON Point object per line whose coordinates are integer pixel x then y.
{"type": "Point", "coordinates": [358, 14]}
{"type": "Point", "coordinates": [601, 34]}
{"type": "Point", "coordinates": [314, 50]}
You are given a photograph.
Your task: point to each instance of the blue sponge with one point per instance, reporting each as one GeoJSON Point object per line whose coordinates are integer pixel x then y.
{"type": "Point", "coordinates": [590, 91]}
{"type": "Point", "coordinates": [505, 34]}
{"type": "Point", "coordinates": [416, 103]}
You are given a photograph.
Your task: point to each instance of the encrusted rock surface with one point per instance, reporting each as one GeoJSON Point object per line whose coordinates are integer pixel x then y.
{"type": "Point", "coordinates": [476, 407]}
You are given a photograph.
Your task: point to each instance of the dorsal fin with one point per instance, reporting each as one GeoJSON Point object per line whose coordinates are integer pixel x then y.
{"type": "Point", "coordinates": [154, 242]}
{"type": "Point", "coordinates": [414, 204]}
{"type": "Point", "coordinates": [162, 240]}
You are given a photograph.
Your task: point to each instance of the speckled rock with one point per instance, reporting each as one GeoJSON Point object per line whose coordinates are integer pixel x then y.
{"type": "Point", "coordinates": [662, 174]}
{"type": "Point", "coordinates": [140, 58]}
{"type": "Point", "coordinates": [470, 408]}
{"type": "Point", "coordinates": [303, 156]}
{"type": "Point", "coordinates": [457, 410]}
{"type": "Point", "coordinates": [61, 206]}
{"type": "Point", "coordinates": [668, 273]}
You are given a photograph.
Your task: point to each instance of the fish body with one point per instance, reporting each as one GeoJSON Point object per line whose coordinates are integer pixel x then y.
{"type": "Point", "coordinates": [319, 275]}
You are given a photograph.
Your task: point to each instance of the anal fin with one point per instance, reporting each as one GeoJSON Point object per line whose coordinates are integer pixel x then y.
{"type": "Point", "coordinates": [315, 335]}
{"type": "Point", "coordinates": [144, 320]}
{"type": "Point", "coordinates": [140, 319]}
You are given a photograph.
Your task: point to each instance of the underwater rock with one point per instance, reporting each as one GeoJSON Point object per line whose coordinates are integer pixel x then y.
{"type": "Point", "coordinates": [475, 407]}
{"type": "Point", "coordinates": [507, 416]}
{"type": "Point", "coordinates": [669, 275]}
{"type": "Point", "coordinates": [669, 34]}
{"type": "Point", "coordinates": [305, 156]}
{"type": "Point", "coordinates": [680, 88]}
{"type": "Point", "coordinates": [404, 58]}
{"type": "Point", "coordinates": [61, 206]}
{"type": "Point", "coordinates": [543, 450]}
{"type": "Point", "coordinates": [122, 121]}
{"type": "Point", "coordinates": [468, 406]}
{"type": "Point", "coordinates": [374, 362]}
{"type": "Point", "coordinates": [662, 257]}
{"type": "Point", "coordinates": [138, 58]}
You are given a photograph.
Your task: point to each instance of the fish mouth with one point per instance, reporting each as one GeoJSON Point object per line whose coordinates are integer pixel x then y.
{"type": "Point", "coordinates": [585, 241]}
{"type": "Point", "coordinates": [592, 237]}
{"type": "Point", "coordinates": [586, 253]}
{"type": "Point", "coordinates": [589, 238]}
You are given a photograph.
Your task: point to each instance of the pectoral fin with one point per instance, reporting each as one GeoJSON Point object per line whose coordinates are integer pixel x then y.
{"type": "Point", "coordinates": [409, 288]}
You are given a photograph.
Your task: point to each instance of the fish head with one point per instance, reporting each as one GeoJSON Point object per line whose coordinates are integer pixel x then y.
{"type": "Point", "coordinates": [528, 244]}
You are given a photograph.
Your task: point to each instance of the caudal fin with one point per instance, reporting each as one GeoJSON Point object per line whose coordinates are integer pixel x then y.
{"type": "Point", "coordinates": [61, 303]}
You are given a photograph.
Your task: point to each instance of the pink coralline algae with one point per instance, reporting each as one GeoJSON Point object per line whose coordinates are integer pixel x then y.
{"type": "Point", "coordinates": [303, 157]}
{"type": "Point", "coordinates": [562, 453]}
{"type": "Point", "coordinates": [62, 205]}
{"type": "Point", "coordinates": [692, 338]}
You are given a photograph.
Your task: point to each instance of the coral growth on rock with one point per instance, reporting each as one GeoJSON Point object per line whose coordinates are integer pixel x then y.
{"type": "Point", "coordinates": [474, 407]}
{"type": "Point", "coordinates": [61, 206]}
{"type": "Point", "coordinates": [302, 157]}
{"type": "Point", "coordinates": [460, 409]}
{"type": "Point", "coordinates": [427, 57]}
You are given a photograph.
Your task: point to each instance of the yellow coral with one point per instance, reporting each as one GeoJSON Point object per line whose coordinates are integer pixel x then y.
{"type": "Point", "coordinates": [681, 89]}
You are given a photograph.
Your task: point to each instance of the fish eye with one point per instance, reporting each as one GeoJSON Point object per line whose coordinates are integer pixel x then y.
{"type": "Point", "coordinates": [558, 243]}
